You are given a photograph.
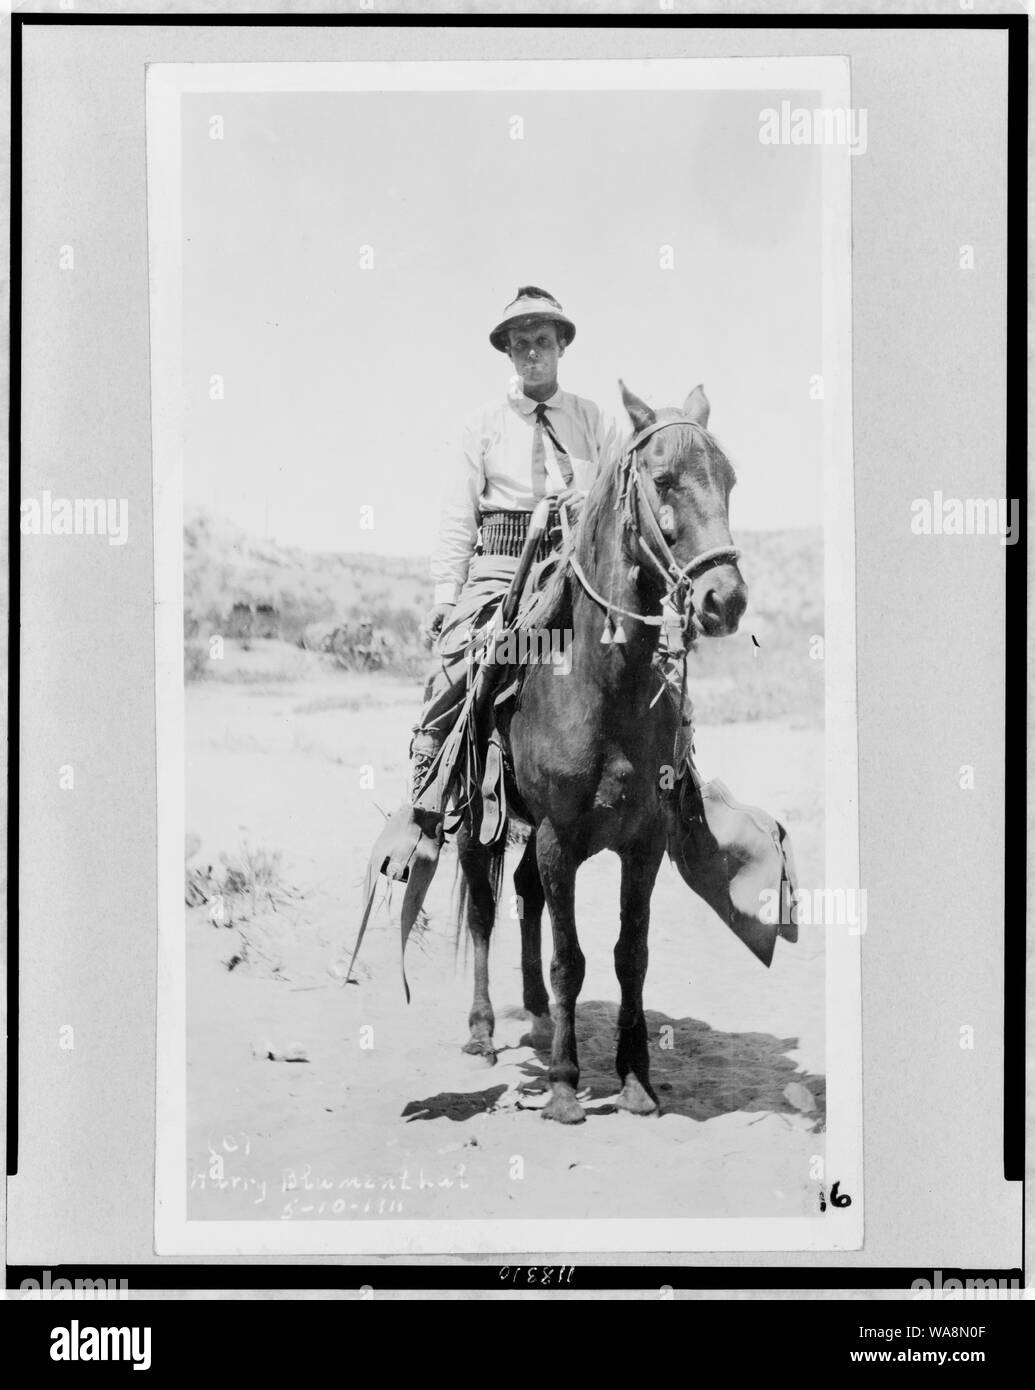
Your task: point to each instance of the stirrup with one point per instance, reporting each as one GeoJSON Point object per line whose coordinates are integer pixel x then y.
{"type": "Point", "coordinates": [396, 845]}
{"type": "Point", "coordinates": [405, 853]}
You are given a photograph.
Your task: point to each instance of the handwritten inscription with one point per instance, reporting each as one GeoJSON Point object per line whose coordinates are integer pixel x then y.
{"type": "Point", "coordinates": [307, 1191]}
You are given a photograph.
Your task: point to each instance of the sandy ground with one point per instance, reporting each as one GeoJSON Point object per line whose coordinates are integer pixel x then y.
{"type": "Point", "coordinates": [386, 1117]}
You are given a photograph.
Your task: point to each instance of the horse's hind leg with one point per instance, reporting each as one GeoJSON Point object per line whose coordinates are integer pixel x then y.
{"type": "Point", "coordinates": [531, 899]}
{"type": "Point", "coordinates": [640, 866]}
{"type": "Point", "coordinates": [481, 912]}
{"type": "Point", "coordinates": [557, 867]}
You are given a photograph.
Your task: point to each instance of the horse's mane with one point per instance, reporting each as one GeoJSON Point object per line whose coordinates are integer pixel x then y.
{"type": "Point", "coordinates": [598, 506]}
{"type": "Point", "coordinates": [602, 493]}
{"type": "Point", "coordinates": [600, 502]}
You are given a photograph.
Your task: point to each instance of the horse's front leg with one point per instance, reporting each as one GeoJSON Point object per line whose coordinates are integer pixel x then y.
{"type": "Point", "coordinates": [557, 867]}
{"type": "Point", "coordinates": [529, 888]}
{"type": "Point", "coordinates": [481, 913]}
{"type": "Point", "coordinates": [640, 864]}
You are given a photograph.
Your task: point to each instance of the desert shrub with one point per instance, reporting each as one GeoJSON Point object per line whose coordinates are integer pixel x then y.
{"type": "Point", "coordinates": [239, 886]}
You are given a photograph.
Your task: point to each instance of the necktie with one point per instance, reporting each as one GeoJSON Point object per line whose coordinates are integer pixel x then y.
{"type": "Point", "coordinates": [539, 454]}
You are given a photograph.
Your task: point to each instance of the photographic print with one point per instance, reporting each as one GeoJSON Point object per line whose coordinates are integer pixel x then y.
{"type": "Point", "coordinates": [504, 563]}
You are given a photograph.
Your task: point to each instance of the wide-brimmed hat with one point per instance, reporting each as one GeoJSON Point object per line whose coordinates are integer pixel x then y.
{"type": "Point", "coordinates": [530, 302]}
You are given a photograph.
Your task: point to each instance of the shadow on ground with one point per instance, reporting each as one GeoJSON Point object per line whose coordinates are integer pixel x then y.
{"type": "Point", "coordinates": [699, 1071]}
{"type": "Point", "coordinates": [454, 1105]}
{"type": "Point", "coordinates": [696, 1070]}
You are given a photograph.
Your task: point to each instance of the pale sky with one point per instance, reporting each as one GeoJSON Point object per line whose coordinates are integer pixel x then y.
{"type": "Point", "coordinates": [348, 387]}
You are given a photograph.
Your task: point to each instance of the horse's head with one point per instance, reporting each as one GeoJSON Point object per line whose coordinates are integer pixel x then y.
{"type": "Point", "coordinates": [680, 482]}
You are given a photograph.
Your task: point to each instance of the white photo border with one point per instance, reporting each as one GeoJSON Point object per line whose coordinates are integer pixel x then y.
{"type": "Point", "coordinates": [841, 1228]}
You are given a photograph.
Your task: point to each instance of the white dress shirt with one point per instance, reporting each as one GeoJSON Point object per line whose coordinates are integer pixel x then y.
{"type": "Point", "coordinates": [495, 472]}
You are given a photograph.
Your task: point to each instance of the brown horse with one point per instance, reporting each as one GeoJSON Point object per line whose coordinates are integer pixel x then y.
{"type": "Point", "coordinates": [590, 748]}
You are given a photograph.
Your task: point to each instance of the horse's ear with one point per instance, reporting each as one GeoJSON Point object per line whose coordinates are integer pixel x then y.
{"type": "Point", "coordinates": [640, 412]}
{"type": "Point", "coordinates": [696, 406]}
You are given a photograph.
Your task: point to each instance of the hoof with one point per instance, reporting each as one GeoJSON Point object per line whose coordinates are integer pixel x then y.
{"type": "Point", "coordinates": [636, 1099]}
{"type": "Point", "coordinates": [481, 1047]}
{"type": "Point", "coordinates": [564, 1108]}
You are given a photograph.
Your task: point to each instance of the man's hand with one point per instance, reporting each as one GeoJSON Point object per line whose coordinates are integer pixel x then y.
{"type": "Point", "coordinates": [431, 628]}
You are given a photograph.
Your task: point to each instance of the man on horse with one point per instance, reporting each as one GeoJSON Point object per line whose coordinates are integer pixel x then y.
{"type": "Point", "coordinates": [538, 442]}
{"type": "Point", "coordinates": [532, 456]}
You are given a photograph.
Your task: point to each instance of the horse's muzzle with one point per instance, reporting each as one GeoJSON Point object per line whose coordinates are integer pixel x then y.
{"type": "Point", "coordinates": [720, 597]}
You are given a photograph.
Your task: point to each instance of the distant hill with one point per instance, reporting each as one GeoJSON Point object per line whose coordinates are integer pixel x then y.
{"type": "Point", "coordinates": [223, 566]}
{"type": "Point", "coordinates": [730, 678]}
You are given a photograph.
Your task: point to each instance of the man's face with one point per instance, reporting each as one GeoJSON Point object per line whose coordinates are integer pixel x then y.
{"type": "Point", "coordinates": [535, 352]}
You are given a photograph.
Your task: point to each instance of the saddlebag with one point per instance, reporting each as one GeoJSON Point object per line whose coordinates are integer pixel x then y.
{"type": "Point", "coordinates": [738, 859]}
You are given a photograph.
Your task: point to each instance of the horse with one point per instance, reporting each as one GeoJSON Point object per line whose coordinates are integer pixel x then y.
{"type": "Point", "coordinates": [588, 750]}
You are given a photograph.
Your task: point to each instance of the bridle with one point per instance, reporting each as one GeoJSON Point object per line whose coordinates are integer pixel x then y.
{"type": "Point", "coordinates": [638, 499]}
